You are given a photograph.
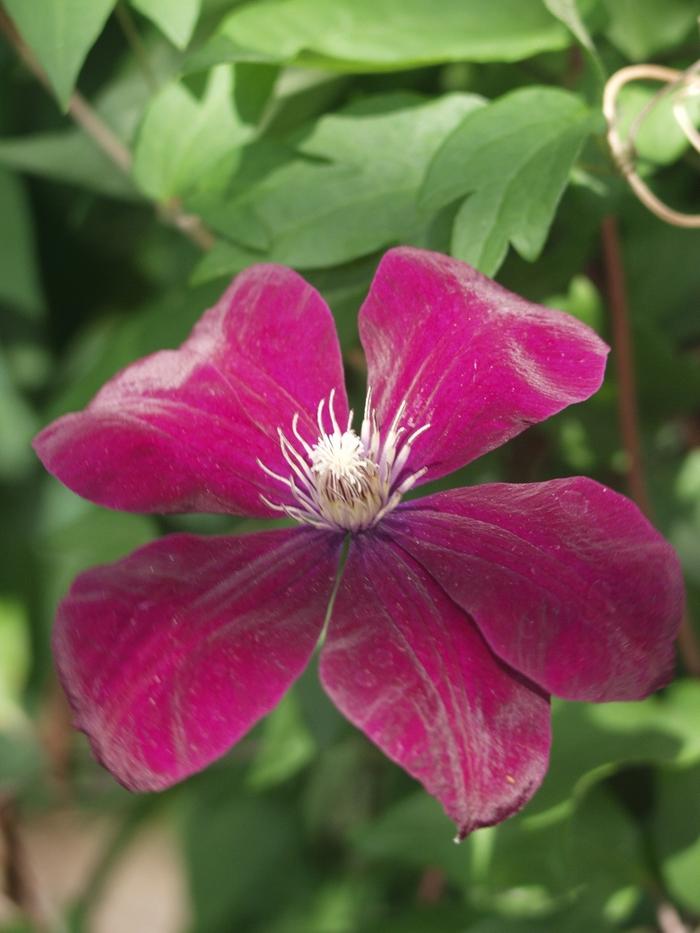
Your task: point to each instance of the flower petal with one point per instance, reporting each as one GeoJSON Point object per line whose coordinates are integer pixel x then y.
{"type": "Point", "coordinates": [567, 581]}
{"type": "Point", "coordinates": [476, 362]}
{"type": "Point", "coordinates": [181, 430]}
{"type": "Point", "coordinates": [170, 655]}
{"type": "Point", "coordinates": [411, 670]}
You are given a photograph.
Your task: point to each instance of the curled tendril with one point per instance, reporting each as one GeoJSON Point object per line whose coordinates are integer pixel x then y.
{"type": "Point", "coordinates": [681, 85]}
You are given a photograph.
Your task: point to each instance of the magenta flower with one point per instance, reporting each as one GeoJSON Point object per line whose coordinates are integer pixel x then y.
{"type": "Point", "coordinates": [456, 615]}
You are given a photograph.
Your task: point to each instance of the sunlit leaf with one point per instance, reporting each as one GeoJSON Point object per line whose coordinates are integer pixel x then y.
{"type": "Point", "coordinates": [184, 140]}
{"type": "Point", "coordinates": [15, 660]}
{"type": "Point", "coordinates": [61, 33]}
{"type": "Point", "coordinates": [325, 202]}
{"type": "Point", "coordinates": [659, 139]}
{"type": "Point", "coordinates": [175, 18]}
{"type": "Point", "coordinates": [513, 159]}
{"type": "Point", "coordinates": [594, 740]}
{"type": "Point", "coordinates": [377, 35]}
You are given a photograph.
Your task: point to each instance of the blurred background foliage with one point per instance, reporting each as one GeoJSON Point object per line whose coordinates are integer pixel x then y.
{"type": "Point", "coordinates": [317, 133]}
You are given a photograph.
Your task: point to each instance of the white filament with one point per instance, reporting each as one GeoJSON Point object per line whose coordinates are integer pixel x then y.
{"type": "Point", "coordinates": [346, 481]}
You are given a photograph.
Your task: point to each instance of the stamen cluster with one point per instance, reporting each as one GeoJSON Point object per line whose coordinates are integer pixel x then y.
{"type": "Point", "coordinates": [344, 481]}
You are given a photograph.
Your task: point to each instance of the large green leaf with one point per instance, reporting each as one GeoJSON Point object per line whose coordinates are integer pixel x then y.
{"type": "Point", "coordinates": [513, 158]}
{"type": "Point", "coordinates": [532, 865]}
{"type": "Point", "coordinates": [593, 741]}
{"type": "Point", "coordinates": [327, 202]}
{"type": "Point", "coordinates": [527, 865]}
{"type": "Point", "coordinates": [175, 18]}
{"type": "Point", "coordinates": [61, 33]}
{"type": "Point", "coordinates": [376, 35]}
{"type": "Point", "coordinates": [184, 140]}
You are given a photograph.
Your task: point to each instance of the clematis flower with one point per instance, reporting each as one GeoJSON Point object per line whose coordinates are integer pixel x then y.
{"type": "Point", "coordinates": [455, 615]}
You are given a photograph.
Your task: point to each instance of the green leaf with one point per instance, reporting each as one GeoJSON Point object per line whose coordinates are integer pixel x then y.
{"type": "Point", "coordinates": [253, 90]}
{"type": "Point", "coordinates": [341, 905]}
{"type": "Point", "coordinates": [641, 28]}
{"type": "Point", "coordinates": [68, 157]}
{"type": "Point", "coordinates": [175, 18]}
{"type": "Point", "coordinates": [530, 865]}
{"type": "Point", "coordinates": [19, 274]}
{"type": "Point", "coordinates": [330, 203]}
{"type": "Point", "coordinates": [648, 247]}
{"type": "Point", "coordinates": [568, 12]}
{"type": "Point", "coordinates": [61, 33]}
{"type": "Point", "coordinates": [417, 833]}
{"type": "Point", "coordinates": [73, 157]}
{"type": "Point", "coordinates": [660, 139]}
{"type": "Point", "coordinates": [243, 859]}
{"type": "Point", "coordinates": [183, 140]}
{"type": "Point", "coordinates": [378, 35]}
{"type": "Point", "coordinates": [113, 344]}
{"type": "Point", "coordinates": [513, 158]}
{"type": "Point", "coordinates": [285, 746]}
{"type": "Point", "coordinates": [592, 741]}
{"type": "Point", "coordinates": [223, 260]}
{"type": "Point", "coordinates": [525, 866]}
{"type": "Point", "coordinates": [77, 535]}
{"type": "Point", "coordinates": [583, 300]}
{"type": "Point", "coordinates": [676, 833]}
{"type": "Point", "coordinates": [15, 659]}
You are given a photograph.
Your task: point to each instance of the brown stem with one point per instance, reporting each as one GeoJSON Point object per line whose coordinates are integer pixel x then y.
{"type": "Point", "coordinates": [627, 406]}
{"type": "Point", "coordinates": [105, 139]}
{"type": "Point", "coordinates": [624, 358]}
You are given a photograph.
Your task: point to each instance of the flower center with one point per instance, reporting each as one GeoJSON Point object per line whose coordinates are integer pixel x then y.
{"type": "Point", "coordinates": [345, 480]}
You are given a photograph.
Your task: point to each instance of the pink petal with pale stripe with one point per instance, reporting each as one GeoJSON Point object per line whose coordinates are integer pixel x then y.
{"type": "Point", "coordinates": [410, 669]}
{"type": "Point", "coordinates": [170, 655]}
{"type": "Point", "coordinates": [475, 361]}
{"type": "Point", "coordinates": [181, 431]}
{"type": "Point", "coordinates": [567, 581]}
